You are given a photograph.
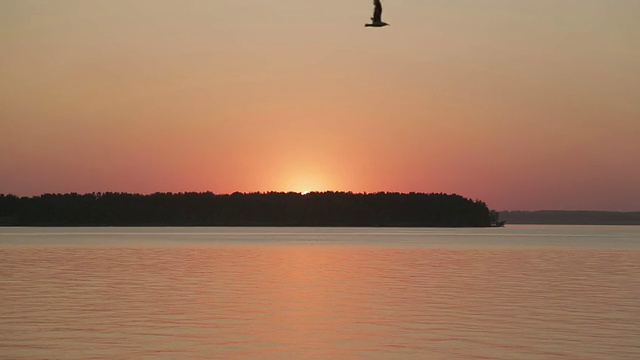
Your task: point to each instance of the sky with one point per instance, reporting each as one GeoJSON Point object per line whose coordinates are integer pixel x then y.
{"type": "Point", "coordinates": [526, 105]}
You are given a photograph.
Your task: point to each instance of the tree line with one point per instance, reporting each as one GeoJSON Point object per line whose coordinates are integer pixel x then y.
{"type": "Point", "coordinates": [247, 209]}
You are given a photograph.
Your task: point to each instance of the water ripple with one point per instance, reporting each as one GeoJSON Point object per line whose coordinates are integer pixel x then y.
{"type": "Point", "coordinates": [310, 301]}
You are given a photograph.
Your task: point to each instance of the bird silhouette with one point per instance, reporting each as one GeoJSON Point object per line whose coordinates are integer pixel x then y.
{"type": "Point", "coordinates": [376, 20]}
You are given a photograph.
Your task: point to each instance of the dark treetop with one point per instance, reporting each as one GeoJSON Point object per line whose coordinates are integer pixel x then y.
{"type": "Point", "coordinates": [246, 209]}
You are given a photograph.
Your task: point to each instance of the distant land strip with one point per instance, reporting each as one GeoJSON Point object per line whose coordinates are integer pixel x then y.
{"type": "Point", "coordinates": [247, 209]}
{"type": "Point", "coordinates": [560, 217]}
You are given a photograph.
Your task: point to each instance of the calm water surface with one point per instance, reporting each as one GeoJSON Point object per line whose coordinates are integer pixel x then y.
{"type": "Point", "coordinates": [521, 292]}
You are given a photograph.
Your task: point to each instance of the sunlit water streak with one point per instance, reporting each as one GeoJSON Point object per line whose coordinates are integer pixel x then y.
{"type": "Point", "coordinates": [523, 292]}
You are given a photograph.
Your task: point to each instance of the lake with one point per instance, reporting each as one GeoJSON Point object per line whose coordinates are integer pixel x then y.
{"type": "Point", "coordinates": [519, 292]}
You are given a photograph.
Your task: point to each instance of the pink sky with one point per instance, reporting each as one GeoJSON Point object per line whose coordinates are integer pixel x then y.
{"type": "Point", "coordinates": [523, 104]}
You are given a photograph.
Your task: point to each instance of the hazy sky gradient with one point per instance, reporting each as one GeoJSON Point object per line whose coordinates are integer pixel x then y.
{"type": "Point", "coordinates": [523, 104]}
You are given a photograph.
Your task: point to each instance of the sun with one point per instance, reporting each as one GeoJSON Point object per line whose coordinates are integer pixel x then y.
{"type": "Point", "coordinates": [305, 184]}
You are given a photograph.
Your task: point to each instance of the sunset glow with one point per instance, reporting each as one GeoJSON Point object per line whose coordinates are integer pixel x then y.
{"type": "Point", "coordinates": [494, 100]}
{"type": "Point", "coordinates": [305, 184]}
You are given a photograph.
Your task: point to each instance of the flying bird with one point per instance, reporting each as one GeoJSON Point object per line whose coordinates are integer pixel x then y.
{"type": "Point", "coordinates": [376, 20]}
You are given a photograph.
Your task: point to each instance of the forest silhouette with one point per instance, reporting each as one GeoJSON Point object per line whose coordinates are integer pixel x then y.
{"type": "Point", "coordinates": [247, 209]}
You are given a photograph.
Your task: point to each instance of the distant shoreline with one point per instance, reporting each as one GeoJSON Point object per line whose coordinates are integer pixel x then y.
{"type": "Point", "coordinates": [570, 217]}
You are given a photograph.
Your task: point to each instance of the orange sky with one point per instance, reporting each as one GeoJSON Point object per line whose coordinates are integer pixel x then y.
{"type": "Point", "coordinates": [523, 104]}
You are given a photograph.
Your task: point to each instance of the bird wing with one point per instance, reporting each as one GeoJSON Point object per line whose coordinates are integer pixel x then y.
{"type": "Point", "coordinates": [377, 11]}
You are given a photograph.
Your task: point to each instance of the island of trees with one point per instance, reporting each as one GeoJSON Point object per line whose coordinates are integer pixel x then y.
{"type": "Point", "coordinates": [247, 209]}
